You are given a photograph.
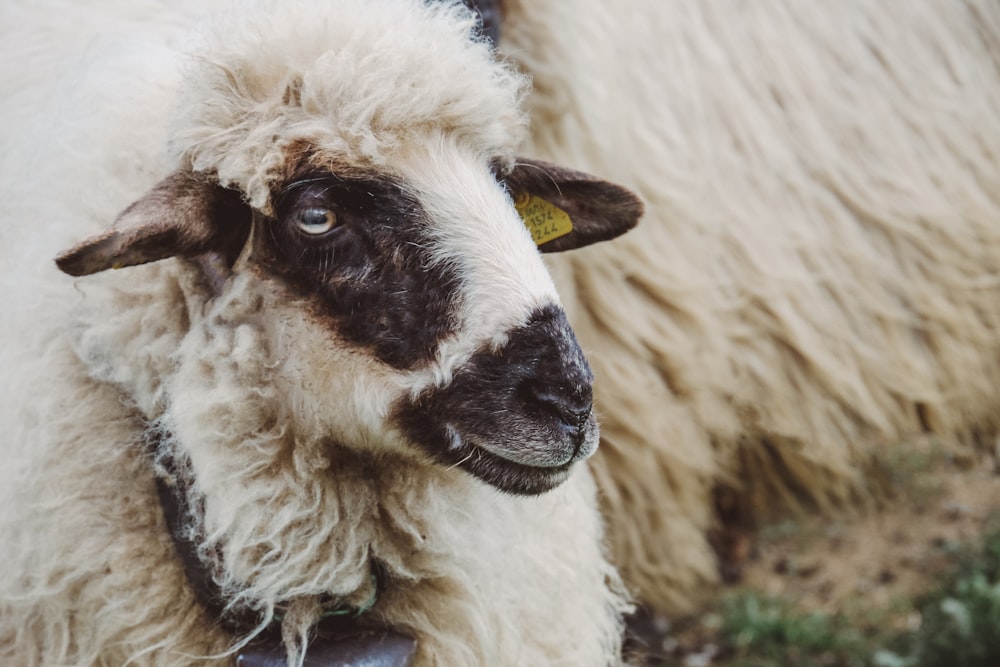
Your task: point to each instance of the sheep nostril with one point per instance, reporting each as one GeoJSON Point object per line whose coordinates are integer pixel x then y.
{"type": "Point", "coordinates": [571, 407]}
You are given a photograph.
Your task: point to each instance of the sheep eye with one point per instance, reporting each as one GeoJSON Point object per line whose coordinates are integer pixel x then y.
{"type": "Point", "coordinates": [314, 221]}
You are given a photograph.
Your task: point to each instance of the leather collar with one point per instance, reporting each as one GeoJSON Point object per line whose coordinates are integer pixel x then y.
{"type": "Point", "coordinates": [342, 638]}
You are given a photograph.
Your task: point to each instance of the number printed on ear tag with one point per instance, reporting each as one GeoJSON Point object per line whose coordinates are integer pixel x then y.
{"type": "Point", "coordinates": [544, 220]}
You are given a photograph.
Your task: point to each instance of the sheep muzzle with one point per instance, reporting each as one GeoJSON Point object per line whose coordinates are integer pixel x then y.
{"type": "Point", "coordinates": [518, 417]}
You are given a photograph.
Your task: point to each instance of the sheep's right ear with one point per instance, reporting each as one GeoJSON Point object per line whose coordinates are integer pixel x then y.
{"type": "Point", "coordinates": [566, 209]}
{"type": "Point", "coordinates": [185, 215]}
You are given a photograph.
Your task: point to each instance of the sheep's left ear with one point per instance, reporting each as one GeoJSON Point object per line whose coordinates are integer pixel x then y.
{"type": "Point", "coordinates": [566, 209]}
{"type": "Point", "coordinates": [185, 214]}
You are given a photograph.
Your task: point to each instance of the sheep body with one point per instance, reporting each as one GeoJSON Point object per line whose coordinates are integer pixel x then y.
{"type": "Point", "coordinates": [99, 372]}
{"type": "Point", "coordinates": [816, 278]}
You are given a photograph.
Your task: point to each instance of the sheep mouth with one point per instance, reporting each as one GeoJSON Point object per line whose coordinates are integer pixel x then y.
{"type": "Point", "coordinates": [516, 478]}
{"type": "Point", "coordinates": [512, 469]}
{"type": "Point", "coordinates": [525, 455]}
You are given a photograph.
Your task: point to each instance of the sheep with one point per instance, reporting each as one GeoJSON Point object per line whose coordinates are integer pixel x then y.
{"type": "Point", "coordinates": [332, 374]}
{"type": "Point", "coordinates": [817, 276]}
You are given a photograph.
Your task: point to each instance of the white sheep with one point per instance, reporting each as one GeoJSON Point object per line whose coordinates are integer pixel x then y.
{"type": "Point", "coordinates": [818, 274]}
{"type": "Point", "coordinates": [349, 377]}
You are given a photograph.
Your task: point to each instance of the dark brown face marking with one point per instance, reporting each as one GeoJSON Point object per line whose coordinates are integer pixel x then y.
{"type": "Point", "coordinates": [517, 418]}
{"type": "Point", "coordinates": [360, 249]}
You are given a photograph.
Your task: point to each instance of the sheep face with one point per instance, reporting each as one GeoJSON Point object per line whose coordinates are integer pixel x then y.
{"type": "Point", "coordinates": [407, 311]}
{"type": "Point", "coordinates": [405, 305]}
{"type": "Point", "coordinates": [434, 279]}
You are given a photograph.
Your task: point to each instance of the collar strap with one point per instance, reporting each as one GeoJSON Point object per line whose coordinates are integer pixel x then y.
{"type": "Point", "coordinates": [185, 524]}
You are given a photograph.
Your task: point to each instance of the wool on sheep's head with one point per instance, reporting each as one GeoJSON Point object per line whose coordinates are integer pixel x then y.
{"type": "Point", "coordinates": [349, 170]}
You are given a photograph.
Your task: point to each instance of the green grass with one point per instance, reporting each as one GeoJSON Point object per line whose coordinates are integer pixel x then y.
{"type": "Point", "coordinates": [765, 632]}
{"type": "Point", "coordinates": [959, 625]}
{"type": "Point", "coordinates": [960, 620]}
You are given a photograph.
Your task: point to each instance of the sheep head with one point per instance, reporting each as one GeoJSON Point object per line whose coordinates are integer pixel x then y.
{"type": "Point", "coordinates": [416, 313]}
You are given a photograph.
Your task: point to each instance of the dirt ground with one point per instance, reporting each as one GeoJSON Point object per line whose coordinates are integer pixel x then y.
{"type": "Point", "coordinates": [874, 560]}
{"type": "Point", "coordinates": [868, 567]}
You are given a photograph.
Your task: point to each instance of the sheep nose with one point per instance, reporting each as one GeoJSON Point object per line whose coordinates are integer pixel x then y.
{"type": "Point", "coordinates": [557, 384]}
{"type": "Point", "coordinates": [571, 405]}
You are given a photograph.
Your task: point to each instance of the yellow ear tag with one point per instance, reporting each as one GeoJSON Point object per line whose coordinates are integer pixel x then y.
{"type": "Point", "coordinates": [544, 220]}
